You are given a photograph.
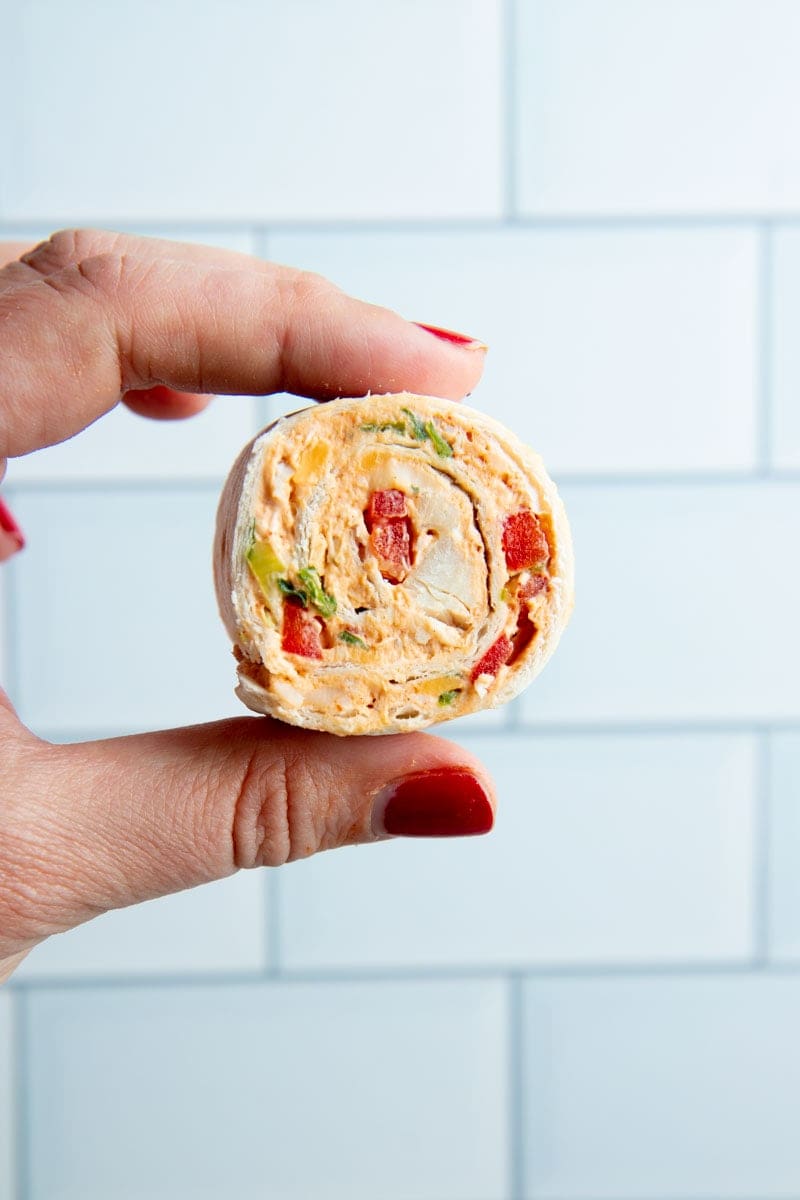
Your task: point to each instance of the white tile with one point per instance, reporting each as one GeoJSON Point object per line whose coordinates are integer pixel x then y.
{"type": "Point", "coordinates": [219, 927]}
{"type": "Point", "coordinates": [123, 446]}
{"type": "Point", "coordinates": [784, 847]}
{"type": "Point", "coordinates": [662, 1087]}
{"type": "Point", "coordinates": [304, 110]}
{"type": "Point", "coordinates": [287, 1091]}
{"type": "Point", "coordinates": [117, 625]}
{"type": "Point", "coordinates": [785, 348]}
{"type": "Point", "coordinates": [687, 601]}
{"type": "Point", "coordinates": [628, 350]}
{"type": "Point", "coordinates": [620, 849]}
{"type": "Point", "coordinates": [669, 106]}
{"type": "Point", "coordinates": [7, 1122]}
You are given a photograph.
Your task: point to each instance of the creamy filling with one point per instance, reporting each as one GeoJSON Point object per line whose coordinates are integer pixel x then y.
{"type": "Point", "coordinates": [374, 582]}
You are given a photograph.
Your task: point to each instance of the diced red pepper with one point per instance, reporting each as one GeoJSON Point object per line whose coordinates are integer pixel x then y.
{"type": "Point", "coordinates": [497, 654]}
{"type": "Point", "coordinates": [391, 503]}
{"type": "Point", "coordinates": [386, 516]}
{"type": "Point", "coordinates": [535, 585]}
{"type": "Point", "coordinates": [524, 542]}
{"type": "Point", "coordinates": [301, 631]}
{"type": "Point", "coordinates": [391, 545]}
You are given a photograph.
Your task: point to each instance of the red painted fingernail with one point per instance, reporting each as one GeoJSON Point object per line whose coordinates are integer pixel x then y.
{"type": "Point", "coordinates": [449, 335]}
{"type": "Point", "coordinates": [448, 802]}
{"type": "Point", "coordinates": [11, 537]}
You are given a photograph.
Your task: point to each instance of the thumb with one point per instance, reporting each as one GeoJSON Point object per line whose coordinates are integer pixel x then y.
{"type": "Point", "coordinates": [106, 824]}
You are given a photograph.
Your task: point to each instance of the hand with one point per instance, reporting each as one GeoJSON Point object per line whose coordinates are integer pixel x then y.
{"type": "Point", "coordinates": [95, 318]}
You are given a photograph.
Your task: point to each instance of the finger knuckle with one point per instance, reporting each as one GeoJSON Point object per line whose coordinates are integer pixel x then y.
{"type": "Point", "coordinates": [304, 291]}
{"type": "Point", "coordinates": [66, 248]}
{"type": "Point", "coordinates": [276, 812]}
{"type": "Point", "coordinates": [102, 273]}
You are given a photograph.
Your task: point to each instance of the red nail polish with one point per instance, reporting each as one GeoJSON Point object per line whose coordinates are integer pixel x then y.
{"type": "Point", "coordinates": [11, 537]}
{"type": "Point", "coordinates": [448, 802]}
{"type": "Point", "coordinates": [449, 335]}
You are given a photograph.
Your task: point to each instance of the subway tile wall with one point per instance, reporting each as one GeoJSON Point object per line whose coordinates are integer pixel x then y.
{"type": "Point", "coordinates": [600, 1001]}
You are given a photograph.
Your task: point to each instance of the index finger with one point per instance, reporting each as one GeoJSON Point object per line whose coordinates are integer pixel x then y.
{"type": "Point", "coordinates": [119, 319]}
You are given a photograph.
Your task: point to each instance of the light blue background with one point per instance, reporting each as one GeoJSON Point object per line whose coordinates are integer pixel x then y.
{"type": "Point", "coordinates": [601, 1001]}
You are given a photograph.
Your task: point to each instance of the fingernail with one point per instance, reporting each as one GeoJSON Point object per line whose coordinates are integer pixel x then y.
{"type": "Point", "coordinates": [450, 335]}
{"type": "Point", "coordinates": [441, 803]}
{"type": "Point", "coordinates": [11, 537]}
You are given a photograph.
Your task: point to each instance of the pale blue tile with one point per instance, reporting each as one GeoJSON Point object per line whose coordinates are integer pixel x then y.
{"type": "Point", "coordinates": [661, 1087]}
{"type": "Point", "coordinates": [623, 350]}
{"type": "Point", "coordinates": [286, 1091]}
{"type": "Point", "coordinates": [784, 847]}
{"type": "Point", "coordinates": [123, 446]}
{"type": "Point", "coordinates": [666, 107]}
{"type": "Point", "coordinates": [254, 110]}
{"type": "Point", "coordinates": [686, 607]}
{"type": "Point", "coordinates": [620, 849]}
{"type": "Point", "coordinates": [7, 1120]}
{"type": "Point", "coordinates": [785, 349]}
{"type": "Point", "coordinates": [117, 625]}
{"type": "Point", "coordinates": [220, 927]}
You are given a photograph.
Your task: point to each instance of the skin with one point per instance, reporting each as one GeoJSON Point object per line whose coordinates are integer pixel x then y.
{"type": "Point", "coordinates": [96, 318]}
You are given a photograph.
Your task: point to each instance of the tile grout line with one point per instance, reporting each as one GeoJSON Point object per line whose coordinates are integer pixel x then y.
{"type": "Point", "coordinates": [516, 1088]}
{"type": "Point", "coordinates": [510, 98]}
{"type": "Point", "coordinates": [613, 481]}
{"type": "Point", "coordinates": [578, 973]}
{"type": "Point", "coordinates": [514, 720]}
{"type": "Point", "coordinates": [764, 379]}
{"type": "Point", "coordinates": [551, 220]}
{"type": "Point", "coordinates": [657, 727]}
{"type": "Point", "coordinates": [21, 1093]}
{"type": "Point", "coordinates": [761, 851]}
{"type": "Point", "coordinates": [274, 940]}
{"type": "Point", "coordinates": [684, 479]}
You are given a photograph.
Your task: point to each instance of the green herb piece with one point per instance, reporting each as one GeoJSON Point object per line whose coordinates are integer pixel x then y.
{"type": "Point", "coordinates": [352, 640]}
{"type": "Point", "coordinates": [371, 427]}
{"type": "Point", "coordinates": [447, 698]}
{"type": "Point", "coordinates": [418, 429]}
{"type": "Point", "coordinates": [264, 563]}
{"type": "Point", "coordinates": [293, 593]}
{"type": "Point", "coordinates": [322, 601]}
{"type": "Point", "coordinates": [426, 431]}
{"type": "Point", "coordinates": [440, 445]}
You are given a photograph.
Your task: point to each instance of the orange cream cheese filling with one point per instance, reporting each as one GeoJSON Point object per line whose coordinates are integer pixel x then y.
{"type": "Point", "coordinates": [386, 563]}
